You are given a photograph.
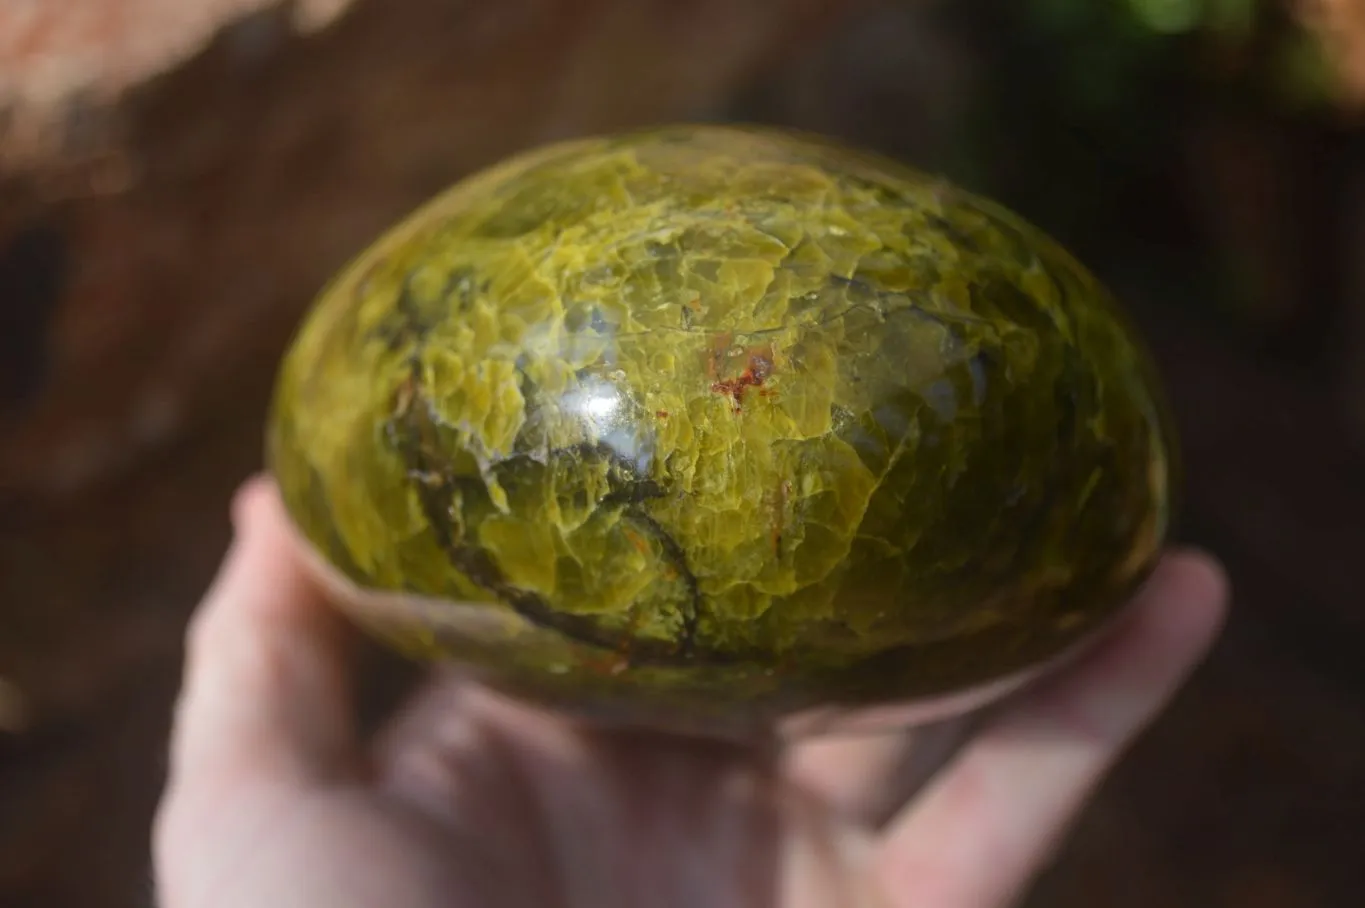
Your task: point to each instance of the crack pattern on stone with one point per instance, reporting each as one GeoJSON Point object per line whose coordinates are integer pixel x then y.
{"type": "Point", "coordinates": [737, 409]}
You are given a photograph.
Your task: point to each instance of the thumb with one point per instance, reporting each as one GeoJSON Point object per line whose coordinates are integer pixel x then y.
{"type": "Point", "coordinates": [266, 693]}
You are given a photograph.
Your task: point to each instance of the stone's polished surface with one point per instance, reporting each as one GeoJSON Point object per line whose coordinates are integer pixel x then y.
{"type": "Point", "coordinates": [704, 425]}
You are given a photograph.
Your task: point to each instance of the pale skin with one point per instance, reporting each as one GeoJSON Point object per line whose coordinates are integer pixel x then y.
{"type": "Point", "coordinates": [468, 799]}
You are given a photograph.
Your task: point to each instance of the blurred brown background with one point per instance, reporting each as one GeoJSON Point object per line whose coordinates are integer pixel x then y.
{"type": "Point", "coordinates": [178, 177]}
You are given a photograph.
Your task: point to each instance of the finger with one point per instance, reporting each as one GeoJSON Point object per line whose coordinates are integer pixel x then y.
{"type": "Point", "coordinates": [265, 695]}
{"type": "Point", "coordinates": [990, 820]}
{"type": "Point", "coordinates": [846, 772]}
{"type": "Point", "coordinates": [419, 751]}
{"type": "Point", "coordinates": [865, 778]}
{"type": "Point", "coordinates": [456, 740]}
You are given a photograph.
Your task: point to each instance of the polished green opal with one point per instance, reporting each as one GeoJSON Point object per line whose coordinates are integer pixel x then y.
{"type": "Point", "coordinates": [723, 423]}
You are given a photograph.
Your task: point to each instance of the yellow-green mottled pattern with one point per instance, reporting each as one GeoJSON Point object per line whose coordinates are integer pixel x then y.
{"type": "Point", "coordinates": [734, 413]}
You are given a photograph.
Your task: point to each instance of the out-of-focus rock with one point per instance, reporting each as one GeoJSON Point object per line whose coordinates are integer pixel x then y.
{"type": "Point", "coordinates": [66, 64]}
{"type": "Point", "coordinates": [178, 177]}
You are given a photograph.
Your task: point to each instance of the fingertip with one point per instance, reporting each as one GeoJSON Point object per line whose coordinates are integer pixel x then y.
{"type": "Point", "coordinates": [1198, 571]}
{"type": "Point", "coordinates": [259, 519]}
{"type": "Point", "coordinates": [1204, 582]}
{"type": "Point", "coordinates": [251, 501]}
{"type": "Point", "coordinates": [1127, 677]}
{"type": "Point", "coordinates": [1178, 613]}
{"type": "Point", "coordinates": [263, 576]}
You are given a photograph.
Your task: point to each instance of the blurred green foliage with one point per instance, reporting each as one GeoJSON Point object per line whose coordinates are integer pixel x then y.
{"type": "Point", "coordinates": [1118, 39]}
{"type": "Point", "coordinates": [1083, 113]}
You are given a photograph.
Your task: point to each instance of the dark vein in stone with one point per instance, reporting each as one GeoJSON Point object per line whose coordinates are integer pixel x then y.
{"type": "Point", "coordinates": [629, 492]}
{"type": "Point", "coordinates": [405, 324]}
{"type": "Point", "coordinates": [687, 645]}
{"type": "Point", "coordinates": [438, 490]}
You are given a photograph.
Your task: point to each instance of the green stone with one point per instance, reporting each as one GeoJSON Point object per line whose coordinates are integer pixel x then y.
{"type": "Point", "coordinates": [716, 424]}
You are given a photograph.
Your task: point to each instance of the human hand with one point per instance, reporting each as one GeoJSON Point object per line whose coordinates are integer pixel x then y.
{"type": "Point", "coordinates": [469, 799]}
